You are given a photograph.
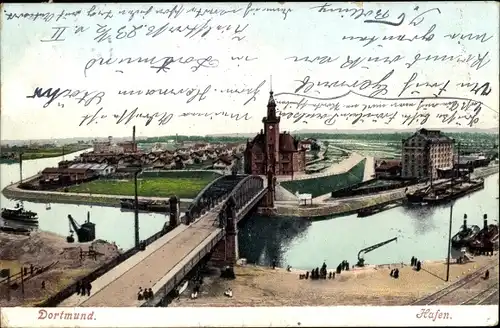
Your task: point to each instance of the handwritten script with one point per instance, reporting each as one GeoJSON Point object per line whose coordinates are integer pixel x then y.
{"type": "Point", "coordinates": [331, 65]}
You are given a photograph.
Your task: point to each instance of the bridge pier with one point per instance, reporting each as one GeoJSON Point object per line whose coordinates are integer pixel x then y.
{"type": "Point", "coordinates": [174, 213]}
{"type": "Point", "coordinates": [226, 251]}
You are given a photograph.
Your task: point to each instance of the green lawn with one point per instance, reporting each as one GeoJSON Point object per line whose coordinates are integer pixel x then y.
{"type": "Point", "coordinates": [150, 187]}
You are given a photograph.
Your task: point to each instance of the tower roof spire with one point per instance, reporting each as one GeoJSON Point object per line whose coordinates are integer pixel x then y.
{"type": "Point", "coordinates": [271, 102]}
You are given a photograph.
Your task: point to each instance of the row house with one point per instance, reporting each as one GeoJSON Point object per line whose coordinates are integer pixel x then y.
{"type": "Point", "coordinates": [199, 156]}
{"type": "Point", "coordinates": [163, 163]}
{"type": "Point", "coordinates": [73, 175]}
{"type": "Point", "coordinates": [200, 146]}
{"type": "Point", "coordinates": [388, 168]}
{"type": "Point", "coordinates": [184, 159]}
{"type": "Point", "coordinates": [224, 162]}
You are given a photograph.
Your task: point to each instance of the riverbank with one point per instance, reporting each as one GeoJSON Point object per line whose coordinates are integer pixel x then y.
{"type": "Point", "coordinates": [14, 192]}
{"type": "Point", "coordinates": [42, 153]}
{"type": "Point", "coordinates": [45, 249]}
{"type": "Point", "coordinates": [328, 207]}
{"type": "Point", "coordinates": [371, 285]}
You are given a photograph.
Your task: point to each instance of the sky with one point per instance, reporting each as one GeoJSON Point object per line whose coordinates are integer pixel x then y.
{"type": "Point", "coordinates": [274, 36]}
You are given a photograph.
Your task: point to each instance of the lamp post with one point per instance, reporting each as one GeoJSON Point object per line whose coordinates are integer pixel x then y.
{"type": "Point", "coordinates": [136, 210]}
{"type": "Point", "coordinates": [449, 244]}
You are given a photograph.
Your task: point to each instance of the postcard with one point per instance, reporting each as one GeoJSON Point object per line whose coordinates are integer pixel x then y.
{"type": "Point", "coordinates": [249, 164]}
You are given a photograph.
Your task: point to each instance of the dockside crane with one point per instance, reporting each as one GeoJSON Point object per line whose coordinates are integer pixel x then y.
{"type": "Point", "coordinates": [361, 260]}
{"type": "Point", "coordinates": [84, 233]}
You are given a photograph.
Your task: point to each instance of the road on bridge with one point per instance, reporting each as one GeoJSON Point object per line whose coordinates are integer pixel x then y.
{"type": "Point", "coordinates": [122, 290]}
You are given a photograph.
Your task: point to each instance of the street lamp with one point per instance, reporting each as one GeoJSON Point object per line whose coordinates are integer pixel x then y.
{"type": "Point", "coordinates": [136, 210]}
{"type": "Point", "coordinates": [449, 243]}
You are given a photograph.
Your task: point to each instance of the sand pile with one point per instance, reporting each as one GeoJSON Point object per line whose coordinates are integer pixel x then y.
{"type": "Point", "coordinates": [42, 249]}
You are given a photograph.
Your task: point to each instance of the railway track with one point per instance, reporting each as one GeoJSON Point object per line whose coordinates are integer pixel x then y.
{"type": "Point", "coordinates": [492, 299]}
{"type": "Point", "coordinates": [471, 278]}
{"type": "Point", "coordinates": [485, 296]}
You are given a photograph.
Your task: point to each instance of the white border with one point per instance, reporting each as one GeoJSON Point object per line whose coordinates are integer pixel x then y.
{"type": "Point", "coordinates": [348, 316]}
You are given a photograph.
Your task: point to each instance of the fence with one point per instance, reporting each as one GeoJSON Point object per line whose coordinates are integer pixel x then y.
{"type": "Point", "coordinates": [323, 185]}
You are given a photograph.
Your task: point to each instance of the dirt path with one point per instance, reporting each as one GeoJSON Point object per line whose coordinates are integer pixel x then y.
{"type": "Point", "coordinates": [257, 286]}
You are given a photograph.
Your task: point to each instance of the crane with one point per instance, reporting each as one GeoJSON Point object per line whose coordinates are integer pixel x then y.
{"type": "Point", "coordinates": [361, 260]}
{"type": "Point", "coordinates": [85, 232]}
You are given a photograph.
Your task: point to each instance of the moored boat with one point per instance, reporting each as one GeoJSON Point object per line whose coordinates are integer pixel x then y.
{"type": "Point", "coordinates": [465, 235]}
{"type": "Point", "coordinates": [19, 214]}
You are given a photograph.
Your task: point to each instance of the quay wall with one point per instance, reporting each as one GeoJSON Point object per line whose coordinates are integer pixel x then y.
{"type": "Point", "coordinates": [350, 206]}
{"type": "Point", "coordinates": [325, 210]}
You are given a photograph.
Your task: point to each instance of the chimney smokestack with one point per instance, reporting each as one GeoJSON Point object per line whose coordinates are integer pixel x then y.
{"type": "Point", "coordinates": [465, 222]}
{"type": "Point", "coordinates": [485, 221]}
{"type": "Point", "coordinates": [133, 138]}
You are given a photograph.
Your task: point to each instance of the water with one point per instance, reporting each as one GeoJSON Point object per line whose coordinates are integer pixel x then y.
{"type": "Point", "coordinates": [111, 223]}
{"type": "Point", "coordinates": [298, 242]}
{"type": "Point", "coordinates": [422, 232]}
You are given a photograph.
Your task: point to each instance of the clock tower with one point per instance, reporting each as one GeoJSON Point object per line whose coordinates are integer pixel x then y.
{"type": "Point", "coordinates": [272, 136]}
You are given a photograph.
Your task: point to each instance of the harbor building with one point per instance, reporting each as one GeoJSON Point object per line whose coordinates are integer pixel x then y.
{"type": "Point", "coordinates": [272, 145]}
{"type": "Point", "coordinates": [426, 152]}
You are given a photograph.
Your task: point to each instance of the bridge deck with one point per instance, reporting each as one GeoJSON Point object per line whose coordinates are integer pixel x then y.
{"type": "Point", "coordinates": [122, 291]}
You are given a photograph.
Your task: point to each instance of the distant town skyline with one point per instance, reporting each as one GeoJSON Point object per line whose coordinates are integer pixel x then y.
{"type": "Point", "coordinates": [248, 135]}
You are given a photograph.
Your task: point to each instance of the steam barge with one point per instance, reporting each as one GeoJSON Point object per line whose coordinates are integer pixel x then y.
{"type": "Point", "coordinates": [465, 235]}
{"type": "Point", "coordinates": [443, 193]}
{"type": "Point", "coordinates": [20, 215]}
{"type": "Point", "coordinates": [477, 240]}
{"type": "Point", "coordinates": [128, 204]}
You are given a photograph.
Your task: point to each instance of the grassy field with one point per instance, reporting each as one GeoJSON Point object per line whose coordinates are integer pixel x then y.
{"type": "Point", "coordinates": [186, 185]}
{"type": "Point", "coordinates": [374, 148]}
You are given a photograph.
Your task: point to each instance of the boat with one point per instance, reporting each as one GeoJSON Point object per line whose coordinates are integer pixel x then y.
{"type": "Point", "coordinates": [445, 192]}
{"type": "Point", "coordinates": [144, 205]}
{"type": "Point", "coordinates": [19, 214]}
{"type": "Point", "coordinates": [465, 235]}
{"type": "Point", "coordinates": [489, 231]}
{"type": "Point", "coordinates": [158, 206]}
{"type": "Point", "coordinates": [371, 210]}
{"type": "Point", "coordinates": [129, 203]}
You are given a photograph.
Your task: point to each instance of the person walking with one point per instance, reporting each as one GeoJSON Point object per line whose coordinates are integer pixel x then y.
{"type": "Point", "coordinates": [89, 288]}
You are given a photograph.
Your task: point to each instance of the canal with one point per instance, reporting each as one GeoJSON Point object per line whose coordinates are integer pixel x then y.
{"type": "Point", "coordinates": [111, 223]}
{"type": "Point", "coordinates": [421, 232]}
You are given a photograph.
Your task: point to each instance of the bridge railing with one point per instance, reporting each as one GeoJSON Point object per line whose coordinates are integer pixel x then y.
{"type": "Point", "coordinates": [200, 195]}
{"type": "Point", "coordinates": [200, 252]}
{"type": "Point", "coordinates": [244, 181]}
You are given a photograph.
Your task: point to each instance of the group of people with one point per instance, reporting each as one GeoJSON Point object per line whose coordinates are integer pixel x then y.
{"type": "Point", "coordinates": [83, 288]}
{"type": "Point", "coordinates": [395, 273]}
{"type": "Point", "coordinates": [322, 273]}
{"type": "Point", "coordinates": [416, 263]}
{"type": "Point", "coordinates": [343, 266]}
{"type": "Point", "coordinates": [145, 294]}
